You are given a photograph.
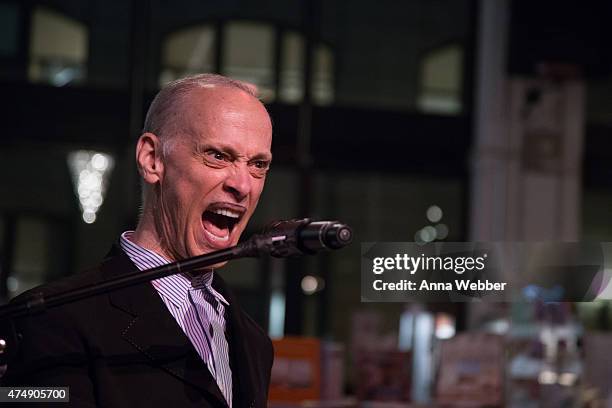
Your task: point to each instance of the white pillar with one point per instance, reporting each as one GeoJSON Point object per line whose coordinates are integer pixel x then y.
{"type": "Point", "coordinates": [489, 188]}
{"type": "Point", "coordinates": [526, 174]}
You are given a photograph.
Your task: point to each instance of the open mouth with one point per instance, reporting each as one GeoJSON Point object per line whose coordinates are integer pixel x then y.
{"type": "Point", "coordinates": [219, 220]}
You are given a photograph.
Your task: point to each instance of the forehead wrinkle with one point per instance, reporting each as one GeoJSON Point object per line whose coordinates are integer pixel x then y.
{"type": "Point", "coordinates": [202, 111]}
{"type": "Point", "coordinates": [227, 97]}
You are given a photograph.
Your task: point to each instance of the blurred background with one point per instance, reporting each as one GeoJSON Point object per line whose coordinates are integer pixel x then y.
{"type": "Point", "coordinates": [415, 120]}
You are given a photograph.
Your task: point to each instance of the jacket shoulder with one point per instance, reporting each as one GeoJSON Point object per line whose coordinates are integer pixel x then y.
{"type": "Point", "coordinates": [86, 277]}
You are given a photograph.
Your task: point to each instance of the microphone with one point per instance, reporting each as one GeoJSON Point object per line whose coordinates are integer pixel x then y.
{"type": "Point", "coordinates": [300, 237]}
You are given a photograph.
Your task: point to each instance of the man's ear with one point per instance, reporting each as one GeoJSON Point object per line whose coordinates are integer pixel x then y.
{"type": "Point", "coordinates": [149, 158]}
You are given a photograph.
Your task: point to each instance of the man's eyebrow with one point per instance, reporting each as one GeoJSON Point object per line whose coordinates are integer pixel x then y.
{"type": "Point", "coordinates": [263, 156]}
{"type": "Point", "coordinates": [203, 147]}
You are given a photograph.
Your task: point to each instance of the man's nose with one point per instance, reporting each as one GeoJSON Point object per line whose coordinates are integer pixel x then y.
{"type": "Point", "coordinates": [238, 181]}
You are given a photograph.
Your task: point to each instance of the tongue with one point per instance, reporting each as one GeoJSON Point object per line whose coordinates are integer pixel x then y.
{"type": "Point", "coordinates": [215, 224]}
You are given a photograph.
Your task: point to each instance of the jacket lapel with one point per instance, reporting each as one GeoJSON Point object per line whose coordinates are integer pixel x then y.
{"type": "Point", "coordinates": [154, 332]}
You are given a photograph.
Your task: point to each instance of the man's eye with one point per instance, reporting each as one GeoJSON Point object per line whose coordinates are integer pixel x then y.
{"type": "Point", "coordinates": [217, 155]}
{"type": "Point", "coordinates": [260, 164]}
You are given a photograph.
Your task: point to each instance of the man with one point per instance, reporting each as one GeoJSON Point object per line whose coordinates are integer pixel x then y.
{"type": "Point", "coordinates": [182, 340]}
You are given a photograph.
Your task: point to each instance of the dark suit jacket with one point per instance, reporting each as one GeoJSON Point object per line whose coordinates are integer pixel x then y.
{"type": "Point", "coordinates": [124, 349]}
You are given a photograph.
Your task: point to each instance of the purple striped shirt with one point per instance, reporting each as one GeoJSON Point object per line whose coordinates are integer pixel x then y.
{"type": "Point", "coordinates": [197, 308]}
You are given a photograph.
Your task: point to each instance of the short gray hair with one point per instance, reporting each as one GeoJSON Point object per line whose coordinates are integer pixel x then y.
{"type": "Point", "coordinates": [162, 115]}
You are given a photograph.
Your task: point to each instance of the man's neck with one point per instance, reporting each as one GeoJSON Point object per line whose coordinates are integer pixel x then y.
{"type": "Point", "coordinates": [147, 237]}
{"type": "Point", "coordinates": [148, 240]}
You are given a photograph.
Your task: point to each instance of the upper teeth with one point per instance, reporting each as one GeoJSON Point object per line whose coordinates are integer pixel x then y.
{"type": "Point", "coordinates": [227, 213]}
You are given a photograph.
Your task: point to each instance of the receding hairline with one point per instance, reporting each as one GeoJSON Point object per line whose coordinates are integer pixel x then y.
{"type": "Point", "coordinates": [168, 101]}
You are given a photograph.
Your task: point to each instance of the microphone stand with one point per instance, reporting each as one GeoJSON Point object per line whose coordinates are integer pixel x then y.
{"type": "Point", "coordinates": [282, 241]}
{"type": "Point", "coordinates": [38, 302]}
{"type": "Point", "coordinates": [256, 246]}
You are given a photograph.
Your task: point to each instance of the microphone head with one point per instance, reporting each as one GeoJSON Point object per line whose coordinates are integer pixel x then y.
{"type": "Point", "coordinates": [343, 236]}
{"type": "Point", "coordinates": [305, 237]}
{"type": "Point", "coordinates": [327, 234]}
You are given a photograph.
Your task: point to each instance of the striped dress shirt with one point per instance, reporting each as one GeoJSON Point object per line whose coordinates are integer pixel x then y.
{"type": "Point", "coordinates": [197, 308]}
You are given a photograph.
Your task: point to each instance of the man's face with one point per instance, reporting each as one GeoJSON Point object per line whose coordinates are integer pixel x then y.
{"type": "Point", "coordinates": [214, 172]}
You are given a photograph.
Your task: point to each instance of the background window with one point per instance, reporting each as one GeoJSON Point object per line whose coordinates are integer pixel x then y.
{"type": "Point", "coordinates": [41, 252]}
{"type": "Point", "coordinates": [58, 48]}
{"type": "Point", "coordinates": [187, 52]}
{"type": "Point", "coordinates": [323, 75]}
{"type": "Point", "coordinates": [248, 55]}
{"type": "Point", "coordinates": [441, 81]}
{"type": "Point", "coordinates": [291, 76]}
{"type": "Point", "coordinates": [9, 28]}
{"type": "Point", "coordinates": [31, 256]}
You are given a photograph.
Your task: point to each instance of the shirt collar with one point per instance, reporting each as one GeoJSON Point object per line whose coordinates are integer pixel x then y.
{"type": "Point", "coordinates": [174, 287]}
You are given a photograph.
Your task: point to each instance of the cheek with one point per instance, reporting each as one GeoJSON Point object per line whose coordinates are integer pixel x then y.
{"type": "Point", "coordinates": [197, 185]}
{"type": "Point", "coordinates": [258, 187]}
{"type": "Point", "coordinates": [183, 199]}
{"type": "Point", "coordinates": [254, 199]}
